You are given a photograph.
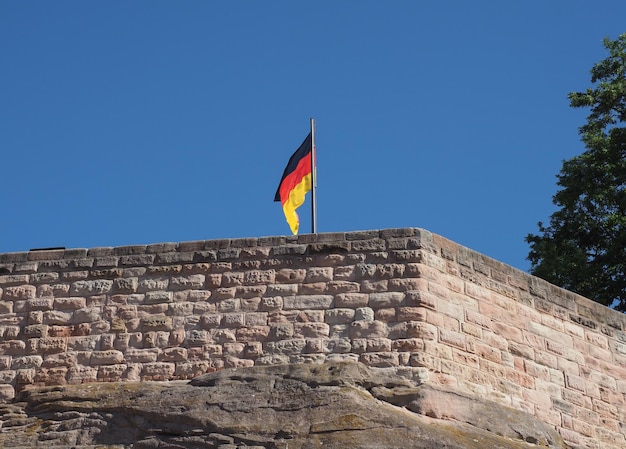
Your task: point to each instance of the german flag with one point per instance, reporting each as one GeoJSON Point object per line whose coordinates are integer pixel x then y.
{"type": "Point", "coordinates": [297, 180]}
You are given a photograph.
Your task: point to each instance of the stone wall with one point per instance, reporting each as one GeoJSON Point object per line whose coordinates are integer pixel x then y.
{"type": "Point", "coordinates": [401, 299]}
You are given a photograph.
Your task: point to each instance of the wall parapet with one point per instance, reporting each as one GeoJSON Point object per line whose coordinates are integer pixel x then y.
{"type": "Point", "coordinates": [402, 299]}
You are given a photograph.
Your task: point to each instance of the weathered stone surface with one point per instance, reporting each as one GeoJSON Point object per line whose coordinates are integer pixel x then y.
{"type": "Point", "coordinates": [332, 405]}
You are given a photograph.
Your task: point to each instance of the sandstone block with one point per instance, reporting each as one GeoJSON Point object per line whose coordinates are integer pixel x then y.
{"type": "Point", "coordinates": [82, 343]}
{"type": "Point", "coordinates": [157, 323]}
{"type": "Point", "coordinates": [255, 277]}
{"type": "Point", "coordinates": [35, 331]}
{"type": "Point", "coordinates": [271, 303]}
{"type": "Point", "coordinates": [35, 317]}
{"type": "Point", "coordinates": [364, 314]}
{"type": "Point", "coordinates": [56, 317]}
{"type": "Point", "coordinates": [7, 393]}
{"type": "Point", "coordinates": [256, 319]}
{"type": "Point", "coordinates": [193, 282]}
{"type": "Point", "coordinates": [210, 320]}
{"type": "Point", "coordinates": [110, 357]}
{"type": "Point", "coordinates": [87, 315]}
{"type": "Point", "coordinates": [380, 359]}
{"type": "Point", "coordinates": [281, 290]}
{"type": "Point", "coordinates": [351, 300]}
{"type": "Point", "coordinates": [250, 291]}
{"type": "Point", "coordinates": [38, 278]}
{"type": "Point", "coordinates": [339, 316]}
{"type": "Point", "coordinates": [378, 345]}
{"type": "Point", "coordinates": [234, 349]}
{"type": "Point", "coordinates": [39, 304]}
{"type": "Point", "coordinates": [198, 338]}
{"type": "Point", "coordinates": [421, 330]}
{"type": "Point", "coordinates": [411, 314]}
{"type": "Point", "coordinates": [152, 284]}
{"type": "Point", "coordinates": [126, 285]}
{"type": "Point", "coordinates": [253, 333]}
{"type": "Point", "coordinates": [224, 336]}
{"type": "Point", "coordinates": [181, 308]}
{"type": "Point", "coordinates": [286, 347]}
{"type": "Point", "coordinates": [5, 362]}
{"type": "Point", "coordinates": [407, 345]}
{"type": "Point", "coordinates": [311, 330]}
{"type": "Point", "coordinates": [51, 345]}
{"type": "Point", "coordinates": [386, 315]}
{"type": "Point", "coordinates": [158, 297]}
{"type": "Point", "coordinates": [313, 288]}
{"type": "Point", "coordinates": [158, 371]}
{"type": "Point", "coordinates": [344, 273]}
{"type": "Point", "coordinates": [26, 362]}
{"type": "Point", "coordinates": [111, 373]}
{"type": "Point", "coordinates": [156, 339]}
{"type": "Point", "coordinates": [233, 319]}
{"type": "Point", "coordinates": [12, 279]}
{"type": "Point", "coordinates": [91, 287]}
{"type": "Point", "coordinates": [338, 345]}
{"type": "Point", "coordinates": [191, 369]}
{"type": "Point", "coordinates": [173, 355]}
{"type": "Point", "coordinates": [281, 331]}
{"type": "Point", "coordinates": [335, 287]}
{"type": "Point", "coordinates": [304, 302]}
{"type": "Point", "coordinates": [224, 293]}
{"type": "Point", "coordinates": [368, 329]}
{"type": "Point", "coordinates": [72, 303]}
{"type": "Point", "coordinates": [385, 300]}
{"type": "Point", "coordinates": [319, 274]}
{"type": "Point", "coordinates": [18, 292]}
{"type": "Point", "coordinates": [290, 276]}
{"type": "Point", "coordinates": [5, 306]}
{"type": "Point", "coordinates": [229, 305]}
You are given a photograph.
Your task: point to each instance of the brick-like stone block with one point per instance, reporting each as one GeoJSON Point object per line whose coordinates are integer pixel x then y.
{"type": "Point", "coordinates": [26, 362]}
{"type": "Point", "coordinates": [281, 331]}
{"type": "Point", "coordinates": [156, 339]}
{"type": "Point", "coordinates": [253, 334]}
{"type": "Point", "coordinates": [191, 369]}
{"type": "Point", "coordinates": [224, 336]}
{"type": "Point", "coordinates": [425, 331]}
{"type": "Point", "coordinates": [110, 357]}
{"type": "Point", "coordinates": [364, 314]}
{"type": "Point", "coordinates": [111, 373]}
{"type": "Point", "coordinates": [311, 330]}
{"type": "Point", "coordinates": [19, 292]}
{"type": "Point", "coordinates": [339, 316]}
{"type": "Point", "coordinates": [385, 300]}
{"type": "Point", "coordinates": [290, 276]}
{"type": "Point", "coordinates": [158, 371]}
{"type": "Point", "coordinates": [380, 359]}
{"type": "Point", "coordinates": [250, 291]}
{"type": "Point", "coordinates": [35, 331]}
{"type": "Point", "coordinates": [351, 300]}
{"type": "Point", "coordinates": [286, 347]}
{"type": "Point", "coordinates": [304, 302]}
{"type": "Point", "coordinates": [91, 287]}
{"type": "Point", "coordinates": [51, 345]}
{"type": "Point", "coordinates": [7, 393]}
{"type": "Point", "coordinates": [374, 286]}
{"type": "Point", "coordinates": [193, 281]}
{"type": "Point", "coordinates": [368, 329]}
{"type": "Point", "coordinates": [157, 323]}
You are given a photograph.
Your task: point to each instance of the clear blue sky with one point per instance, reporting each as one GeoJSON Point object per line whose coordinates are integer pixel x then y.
{"type": "Point", "coordinates": [141, 122]}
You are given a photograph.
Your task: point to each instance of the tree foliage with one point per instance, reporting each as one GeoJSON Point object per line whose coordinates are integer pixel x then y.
{"type": "Point", "coordinates": [583, 249]}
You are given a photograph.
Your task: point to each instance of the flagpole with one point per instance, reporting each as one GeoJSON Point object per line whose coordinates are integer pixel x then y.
{"type": "Point", "coordinates": [313, 179]}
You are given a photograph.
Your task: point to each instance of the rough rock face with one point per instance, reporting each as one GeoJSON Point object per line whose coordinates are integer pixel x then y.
{"type": "Point", "coordinates": [334, 405]}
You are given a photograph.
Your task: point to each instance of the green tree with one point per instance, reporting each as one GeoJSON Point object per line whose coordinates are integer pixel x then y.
{"type": "Point", "coordinates": [583, 249]}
